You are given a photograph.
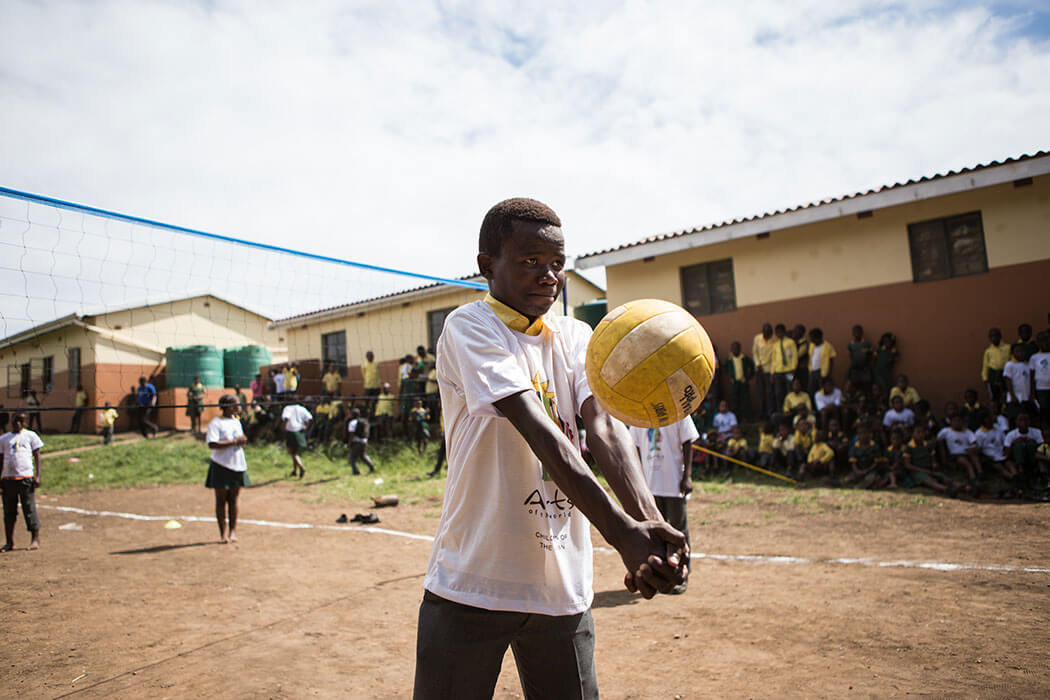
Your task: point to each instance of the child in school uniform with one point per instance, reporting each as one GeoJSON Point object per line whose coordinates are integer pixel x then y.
{"type": "Point", "coordinates": [766, 435]}
{"type": "Point", "coordinates": [227, 470]}
{"type": "Point", "coordinates": [783, 448]}
{"type": "Point", "coordinates": [736, 446]}
{"type": "Point", "coordinates": [821, 359]}
{"type": "Point", "coordinates": [957, 446]}
{"type": "Point", "coordinates": [723, 422]}
{"type": "Point", "coordinates": [106, 422]}
{"type": "Point", "coordinates": [839, 441]}
{"type": "Point", "coordinates": [906, 392]}
{"type": "Point", "coordinates": [1024, 338]}
{"type": "Point", "coordinates": [803, 439]}
{"type": "Point", "coordinates": [885, 360]}
{"type": "Point", "coordinates": [797, 397]}
{"type": "Point", "coordinates": [898, 416]}
{"type": "Point", "coordinates": [865, 459]}
{"type": "Point", "coordinates": [971, 409]}
{"type": "Point", "coordinates": [828, 402]}
{"type": "Point", "coordinates": [740, 369]}
{"type": "Point", "coordinates": [859, 349]}
{"type": "Point", "coordinates": [995, 357]}
{"type": "Point", "coordinates": [1039, 366]}
{"type": "Point", "coordinates": [802, 415]}
{"type": "Point", "coordinates": [819, 459]}
{"type": "Point", "coordinates": [920, 465]}
{"type": "Point", "coordinates": [991, 450]}
{"type": "Point", "coordinates": [895, 456]}
{"type": "Point", "coordinates": [1021, 445]}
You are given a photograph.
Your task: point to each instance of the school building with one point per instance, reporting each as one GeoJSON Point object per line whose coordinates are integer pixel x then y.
{"type": "Point", "coordinates": [108, 350]}
{"type": "Point", "coordinates": [937, 261]}
{"type": "Point", "coordinates": [391, 326]}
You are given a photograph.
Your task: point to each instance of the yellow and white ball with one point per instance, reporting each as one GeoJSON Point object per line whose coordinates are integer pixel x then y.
{"type": "Point", "coordinates": [650, 363]}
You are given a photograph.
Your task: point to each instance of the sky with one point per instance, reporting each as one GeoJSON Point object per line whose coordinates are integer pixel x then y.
{"type": "Point", "coordinates": [382, 132]}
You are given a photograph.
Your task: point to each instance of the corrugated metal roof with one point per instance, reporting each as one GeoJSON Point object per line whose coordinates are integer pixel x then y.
{"type": "Point", "coordinates": [811, 205]}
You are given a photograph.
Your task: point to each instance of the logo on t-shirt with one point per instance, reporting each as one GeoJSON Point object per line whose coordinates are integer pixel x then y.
{"type": "Point", "coordinates": [655, 440]}
{"type": "Point", "coordinates": [549, 400]}
{"type": "Point", "coordinates": [557, 506]}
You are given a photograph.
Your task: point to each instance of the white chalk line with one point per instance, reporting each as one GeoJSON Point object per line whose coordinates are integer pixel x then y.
{"type": "Point", "coordinates": [748, 558]}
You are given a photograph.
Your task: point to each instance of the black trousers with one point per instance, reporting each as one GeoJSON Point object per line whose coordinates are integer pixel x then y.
{"type": "Point", "coordinates": [460, 649]}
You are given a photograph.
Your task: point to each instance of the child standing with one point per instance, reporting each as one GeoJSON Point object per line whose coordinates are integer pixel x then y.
{"type": "Point", "coordinates": [20, 478]}
{"type": "Point", "coordinates": [194, 405]}
{"type": "Point", "coordinates": [1018, 379]}
{"type": "Point", "coordinates": [419, 417]}
{"type": "Point", "coordinates": [227, 470]}
{"type": "Point", "coordinates": [107, 421]}
{"type": "Point", "coordinates": [859, 359]}
{"type": "Point", "coordinates": [357, 436]}
{"type": "Point", "coordinates": [740, 369]}
{"type": "Point", "coordinates": [821, 360]}
{"type": "Point", "coordinates": [996, 355]}
{"type": "Point", "coordinates": [1039, 366]}
{"type": "Point", "coordinates": [295, 419]}
{"type": "Point", "coordinates": [885, 359]}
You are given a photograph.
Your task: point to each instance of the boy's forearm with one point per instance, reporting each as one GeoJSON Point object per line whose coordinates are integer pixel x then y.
{"type": "Point", "coordinates": [611, 446]}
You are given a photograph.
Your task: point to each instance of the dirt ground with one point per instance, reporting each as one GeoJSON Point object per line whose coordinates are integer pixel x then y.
{"type": "Point", "coordinates": [125, 608]}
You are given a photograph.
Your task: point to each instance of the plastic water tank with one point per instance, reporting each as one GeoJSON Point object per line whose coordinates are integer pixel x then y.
{"type": "Point", "coordinates": [183, 364]}
{"type": "Point", "coordinates": [591, 312]}
{"type": "Point", "coordinates": [242, 364]}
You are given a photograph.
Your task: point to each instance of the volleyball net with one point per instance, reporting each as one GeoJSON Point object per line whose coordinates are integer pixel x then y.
{"type": "Point", "coordinates": [91, 300]}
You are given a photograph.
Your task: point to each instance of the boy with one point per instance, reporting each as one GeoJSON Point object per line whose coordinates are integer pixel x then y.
{"type": "Point", "coordinates": [20, 478]}
{"type": "Point", "coordinates": [1018, 380]}
{"type": "Point", "coordinates": [736, 446]}
{"type": "Point", "coordinates": [511, 564]}
{"type": "Point", "coordinates": [895, 456]}
{"type": "Point", "coordinates": [762, 355]}
{"type": "Point", "coordinates": [920, 465]}
{"type": "Point", "coordinates": [971, 409]}
{"type": "Point", "coordinates": [828, 401]}
{"type": "Point", "coordinates": [821, 359]}
{"type": "Point", "coordinates": [81, 401]}
{"type": "Point", "coordinates": [1021, 444]}
{"type": "Point", "coordinates": [898, 416]}
{"type": "Point", "coordinates": [765, 445]}
{"type": "Point", "coordinates": [995, 357]}
{"type": "Point", "coordinates": [357, 437]}
{"type": "Point", "coordinates": [796, 398]}
{"type": "Point", "coordinates": [1039, 366]}
{"type": "Point", "coordinates": [666, 453]}
{"type": "Point", "coordinates": [798, 334]}
{"type": "Point", "coordinates": [145, 400]}
{"type": "Point", "coordinates": [885, 359]}
{"type": "Point", "coordinates": [838, 441]}
{"type": "Point", "coordinates": [865, 458]}
{"type": "Point", "coordinates": [908, 393]}
{"type": "Point", "coordinates": [295, 419]}
{"type": "Point", "coordinates": [370, 377]}
{"type": "Point", "coordinates": [107, 421]}
{"type": "Point", "coordinates": [821, 458]}
{"type": "Point", "coordinates": [1024, 339]}
{"type": "Point", "coordinates": [783, 448]}
{"type": "Point", "coordinates": [957, 445]}
{"type": "Point", "coordinates": [784, 362]}
{"type": "Point", "coordinates": [330, 382]}
{"type": "Point", "coordinates": [859, 359]}
{"type": "Point", "coordinates": [740, 369]}
{"type": "Point", "coordinates": [385, 407]}
{"type": "Point", "coordinates": [802, 415]}
{"type": "Point", "coordinates": [991, 450]}
{"type": "Point", "coordinates": [723, 422]}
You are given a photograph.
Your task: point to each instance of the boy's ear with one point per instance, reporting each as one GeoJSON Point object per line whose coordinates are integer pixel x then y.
{"type": "Point", "coordinates": [485, 265]}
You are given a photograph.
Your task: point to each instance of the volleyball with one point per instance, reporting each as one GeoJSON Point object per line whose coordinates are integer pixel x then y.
{"type": "Point", "coordinates": [650, 363]}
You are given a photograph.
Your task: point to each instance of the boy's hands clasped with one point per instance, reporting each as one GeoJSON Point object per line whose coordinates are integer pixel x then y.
{"type": "Point", "coordinates": [656, 556]}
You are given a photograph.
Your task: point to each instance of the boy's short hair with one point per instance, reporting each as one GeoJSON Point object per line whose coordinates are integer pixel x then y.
{"type": "Point", "coordinates": [497, 223]}
{"type": "Point", "coordinates": [228, 400]}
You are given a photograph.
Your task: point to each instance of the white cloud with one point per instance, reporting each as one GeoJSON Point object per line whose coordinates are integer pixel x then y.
{"type": "Point", "coordinates": [382, 131]}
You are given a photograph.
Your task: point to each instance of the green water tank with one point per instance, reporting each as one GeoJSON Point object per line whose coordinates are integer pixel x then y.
{"type": "Point", "coordinates": [183, 364]}
{"type": "Point", "coordinates": [591, 312]}
{"type": "Point", "coordinates": [242, 364]}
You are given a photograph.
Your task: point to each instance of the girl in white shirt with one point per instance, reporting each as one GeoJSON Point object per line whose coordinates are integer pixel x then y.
{"type": "Point", "coordinates": [228, 470]}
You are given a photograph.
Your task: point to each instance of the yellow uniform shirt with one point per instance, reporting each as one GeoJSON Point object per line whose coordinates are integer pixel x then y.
{"type": "Point", "coordinates": [82, 398]}
{"type": "Point", "coordinates": [432, 382]}
{"type": "Point", "coordinates": [797, 399]}
{"type": "Point", "coordinates": [109, 418]}
{"type": "Point", "coordinates": [784, 354]}
{"type": "Point", "coordinates": [385, 405]}
{"type": "Point", "coordinates": [804, 440]}
{"type": "Point", "coordinates": [738, 367]}
{"type": "Point", "coordinates": [736, 445]}
{"type": "Point", "coordinates": [827, 354]}
{"type": "Point", "coordinates": [765, 443]}
{"type": "Point", "coordinates": [909, 396]}
{"type": "Point", "coordinates": [820, 453]}
{"type": "Point", "coordinates": [995, 357]}
{"type": "Point", "coordinates": [331, 382]}
{"type": "Point", "coordinates": [370, 372]}
{"type": "Point", "coordinates": [762, 353]}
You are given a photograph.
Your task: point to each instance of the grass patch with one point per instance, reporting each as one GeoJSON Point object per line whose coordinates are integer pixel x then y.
{"type": "Point", "coordinates": [181, 459]}
{"type": "Point", "coordinates": [54, 443]}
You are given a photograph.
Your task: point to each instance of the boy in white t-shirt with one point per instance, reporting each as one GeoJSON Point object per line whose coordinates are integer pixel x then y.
{"type": "Point", "coordinates": [1018, 379]}
{"type": "Point", "coordinates": [723, 422]}
{"type": "Point", "coordinates": [1039, 366]}
{"type": "Point", "coordinates": [511, 564]}
{"type": "Point", "coordinates": [667, 456]}
{"type": "Point", "coordinates": [898, 416]}
{"type": "Point", "coordinates": [19, 479]}
{"type": "Point", "coordinates": [295, 419]}
{"type": "Point", "coordinates": [958, 445]}
{"type": "Point", "coordinates": [227, 470]}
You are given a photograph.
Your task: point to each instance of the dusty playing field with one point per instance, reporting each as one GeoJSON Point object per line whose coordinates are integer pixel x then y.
{"type": "Point", "coordinates": [129, 609]}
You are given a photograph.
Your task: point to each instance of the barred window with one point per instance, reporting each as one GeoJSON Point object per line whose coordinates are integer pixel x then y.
{"type": "Point", "coordinates": [435, 323]}
{"type": "Point", "coordinates": [948, 247]}
{"type": "Point", "coordinates": [333, 350]}
{"type": "Point", "coordinates": [708, 288]}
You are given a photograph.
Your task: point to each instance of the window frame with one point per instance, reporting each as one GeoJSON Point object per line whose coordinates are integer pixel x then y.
{"type": "Point", "coordinates": [74, 369]}
{"type": "Point", "coordinates": [432, 340]}
{"type": "Point", "coordinates": [950, 262]}
{"type": "Point", "coordinates": [707, 267]}
{"type": "Point", "coordinates": [326, 360]}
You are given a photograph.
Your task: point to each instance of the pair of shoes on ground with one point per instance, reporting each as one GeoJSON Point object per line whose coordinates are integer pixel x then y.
{"type": "Point", "coordinates": [363, 518]}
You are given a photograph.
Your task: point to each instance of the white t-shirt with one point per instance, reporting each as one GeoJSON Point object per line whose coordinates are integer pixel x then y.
{"type": "Point", "coordinates": [1039, 366]}
{"type": "Point", "coordinates": [815, 354]}
{"type": "Point", "coordinates": [295, 417]}
{"type": "Point", "coordinates": [991, 443]}
{"type": "Point", "coordinates": [1015, 434]}
{"type": "Point", "coordinates": [278, 383]}
{"type": "Point", "coordinates": [1020, 379]}
{"type": "Point", "coordinates": [508, 539]}
{"type": "Point", "coordinates": [661, 451]}
{"type": "Point", "coordinates": [723, 422]}
{"type": "Point", "coordinates": [219, 430]}
{"type": "Point", "coordinates": [18, 453]}
{"type": "Point", "coordinates": [892, 418]}
{"type": "Point", "coordinates": [958, 441]}
{"type": "Point", "coordinates": [351, 430]}
{"type": "Point", "coordinates": [822, 400]}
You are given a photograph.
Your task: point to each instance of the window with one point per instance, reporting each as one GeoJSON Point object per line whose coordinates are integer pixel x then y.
{"type": "Point", "coordinates": [47, 374]}
{"type": "Point", "coordinates": [333, 350]}
{"type": "Point", "coordinates": [708, 288]}
{"type": "Point", "coordinates": [435, 322]}
{"type": "Point", "coordinates": [15, 388]}
{"type": "Point", "coordinates": [25, 378]}
{"type": "Point", "coordinates": [73, 355]}
{"type": "Point", "coordinates": [948, 247]}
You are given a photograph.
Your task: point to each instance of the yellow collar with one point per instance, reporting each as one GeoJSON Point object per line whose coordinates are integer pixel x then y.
{"type": "Point", "coordinates": [514, 320]}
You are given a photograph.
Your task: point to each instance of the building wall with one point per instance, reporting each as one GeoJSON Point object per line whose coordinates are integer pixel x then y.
{"type": "Point", "coordinates": [848, 253]}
